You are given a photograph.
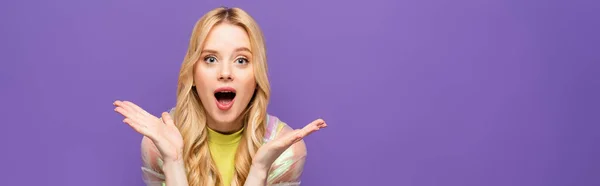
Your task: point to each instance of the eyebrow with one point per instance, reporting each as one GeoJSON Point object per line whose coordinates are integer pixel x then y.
{"type": "Point", "coordinates": [239, 49]}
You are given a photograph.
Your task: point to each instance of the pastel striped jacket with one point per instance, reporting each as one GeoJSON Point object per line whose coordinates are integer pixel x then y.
{"type": "Point", "coordinates": [286, 170]}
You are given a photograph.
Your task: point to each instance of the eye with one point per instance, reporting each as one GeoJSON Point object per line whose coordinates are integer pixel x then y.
{"type": "Point", "coordinates": [241, 60]}
{"type": "Point", "coordinates": [210, 59]}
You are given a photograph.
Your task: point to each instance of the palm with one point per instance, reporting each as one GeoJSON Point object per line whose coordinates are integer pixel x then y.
{"type": "Point", "coordinates": [167, 139]}
{"type": "Point", "coordinates": [268, 153]}
{"type": "Point", "coordinates": [162, 132]}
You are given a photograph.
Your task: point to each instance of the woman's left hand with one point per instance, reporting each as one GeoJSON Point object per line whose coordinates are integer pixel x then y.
{"type": "Point", "coordinates": [269, 152]}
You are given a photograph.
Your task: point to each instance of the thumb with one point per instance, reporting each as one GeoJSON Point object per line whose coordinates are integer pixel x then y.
{"type": "Point", "coordinates": [166, 118]}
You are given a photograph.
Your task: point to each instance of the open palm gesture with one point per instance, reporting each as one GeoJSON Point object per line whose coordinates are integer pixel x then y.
{"type": "Point", "coordinates": [162, 131]}
{"type": "Point", "coordinates": [269, 152]}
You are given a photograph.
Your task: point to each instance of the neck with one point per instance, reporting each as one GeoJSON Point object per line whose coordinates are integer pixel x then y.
{"type": "Point", "coordinates": [225, 128]}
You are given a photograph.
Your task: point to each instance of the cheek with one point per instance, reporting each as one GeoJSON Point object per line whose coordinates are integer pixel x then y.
{"type": "Point", "coordinates": [202, 81]}
{"type": "Point", "coordinates": [202, 74]}
{"type": "Point", "coordinates": [249, 84]}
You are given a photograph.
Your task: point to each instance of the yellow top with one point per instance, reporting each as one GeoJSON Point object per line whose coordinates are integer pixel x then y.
{"type": "Point", "coordinates": [286, 169]}
{"type": "Point", "coordinates": [222, 149]}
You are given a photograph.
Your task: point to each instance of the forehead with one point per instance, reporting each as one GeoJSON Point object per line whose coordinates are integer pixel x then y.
{"type": "Point", "coordinates": [225, 37]}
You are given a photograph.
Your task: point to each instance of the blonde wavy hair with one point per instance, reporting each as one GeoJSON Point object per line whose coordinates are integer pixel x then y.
{"type": "Point", "coordinates": [190, 116]}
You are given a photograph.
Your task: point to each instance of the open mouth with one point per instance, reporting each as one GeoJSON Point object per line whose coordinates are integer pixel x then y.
{"type": "Point", "coordinates": [225, 97]}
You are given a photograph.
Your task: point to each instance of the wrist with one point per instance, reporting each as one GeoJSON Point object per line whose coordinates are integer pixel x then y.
{"type": "Point", "coordinates": [169, 165]}
{"type": "Point", "coordinates": [259, 166]}
{"type": "Point", "coordinates": [175, 173]}
{"type": "Point", "coordinates": [258, 172]}
{"type": "Point", "coordinates": [177, 159]}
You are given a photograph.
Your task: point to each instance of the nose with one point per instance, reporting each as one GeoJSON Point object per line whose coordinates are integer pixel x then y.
{"type": "Point", "coordinates": [225, 73]}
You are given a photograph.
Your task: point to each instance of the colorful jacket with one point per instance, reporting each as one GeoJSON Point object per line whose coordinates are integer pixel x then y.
{"type": "Point", "coordinates": [286, 170]}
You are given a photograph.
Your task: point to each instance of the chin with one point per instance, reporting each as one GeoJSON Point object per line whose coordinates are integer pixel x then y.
{"type": "Point", "coordinates": [223, 117]}
{"type": "Point", "coordinates": [226, 116]}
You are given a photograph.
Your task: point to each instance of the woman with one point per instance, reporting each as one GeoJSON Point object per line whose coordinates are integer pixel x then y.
{"type": "Point", "coordinates": [219, 132]}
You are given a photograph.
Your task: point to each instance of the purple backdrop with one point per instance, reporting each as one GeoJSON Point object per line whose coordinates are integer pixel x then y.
{"type": "Point", "coordinates": [421, 93]}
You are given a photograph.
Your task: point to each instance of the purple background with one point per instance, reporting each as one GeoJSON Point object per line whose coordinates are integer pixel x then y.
{"type": "Point", "coordinates": [421, 93]}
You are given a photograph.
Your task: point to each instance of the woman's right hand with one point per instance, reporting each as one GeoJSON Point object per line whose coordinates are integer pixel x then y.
{"type": "Point", "coordinates": [162, 132]}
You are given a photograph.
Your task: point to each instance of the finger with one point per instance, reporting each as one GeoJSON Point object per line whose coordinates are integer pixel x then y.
{"type": "Point", "coordinates": [140, 128]}
{"type": "Point", "coordinates": [136, 113]}
{"type": "Point", "coordinates": [321, 124]}
{"type": "Point", "coordinates": [312, 127]}
{"type": "Point", "coordinates": [125, 106]}
{"type": "Point", "coordinates": [137, 108]}
{"type": "Point", "coordinates": [126, 113]}
{"type": "Point", "coordinates": [134, 116]}
{"type": "Point", "coordinates": [131, 116]}
{"type": "Point", "coordinates": [285, 141]}
{"type": "Point", "coordinates": [300, 134]}
{"type": "Point", "coordinates": [135, 125]}
{"type": "Point", "coordinates": [166, 118]}
{"type": "Point", "coordinates": [132, 112]}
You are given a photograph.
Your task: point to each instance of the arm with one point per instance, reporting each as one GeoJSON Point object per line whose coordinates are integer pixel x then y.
{"type": "Point", "coordinates": [162, 144]}
{"type": "Point", "coordinates": [281, 161]}
{"type": "Point", "coordinates": [257, 176]}
{"type": "Point", "coordinates": [157, 172]}
{"type": "Point", "coordinates": [175, 173]}
{"type": "Point", "coordinates": [286, 171]}
{"type": "Point", "coordinates": [152, 173]}
{"type": "Point", "coordinates": [288, 167]}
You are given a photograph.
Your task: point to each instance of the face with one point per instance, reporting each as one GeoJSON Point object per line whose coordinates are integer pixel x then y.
{"type": "Point", "coordinates": [224, 76]}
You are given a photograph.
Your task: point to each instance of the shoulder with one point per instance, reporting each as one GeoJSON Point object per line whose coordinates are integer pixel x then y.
{"type": "Point", "coordinates": [273, 126]}
{"type": "Point", "coordinates": [288, 167]}
{"type": "Point", "coordinates": [276, 127]}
